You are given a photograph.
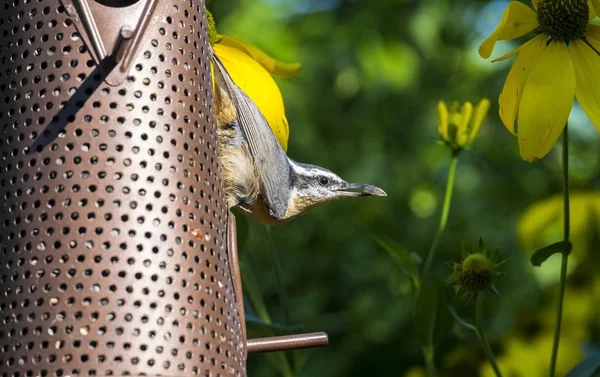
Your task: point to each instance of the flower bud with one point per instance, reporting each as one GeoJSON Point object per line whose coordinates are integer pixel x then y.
{"type": "Point", "coordinates": [458, 125]}
{"type": "Point", "coordinates": [477, 271]}
{"type": "Point", "coordinates": [475, 274]}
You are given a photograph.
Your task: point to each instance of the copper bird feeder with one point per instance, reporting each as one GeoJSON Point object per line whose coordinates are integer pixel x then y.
{"type": "Point", "coordinates": [116, 258]}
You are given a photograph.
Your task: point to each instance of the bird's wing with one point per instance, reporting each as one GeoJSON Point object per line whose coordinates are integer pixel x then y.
{"type": "Point", "coordinates": [269, 157]}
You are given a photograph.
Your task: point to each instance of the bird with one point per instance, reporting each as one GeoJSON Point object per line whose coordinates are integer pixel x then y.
{"type": "Point", "coordinates": [258, 176]}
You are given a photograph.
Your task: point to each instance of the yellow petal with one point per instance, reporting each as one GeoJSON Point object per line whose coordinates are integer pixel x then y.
{"type": "Point", "coordinates": [594, 8]}
{"type": "Point", "coordinates": [480, 113]}
{"type": "Point", "coordinates": [546, 102]}
{"type": "Point", "coordinates": [259, 85]}
{"type": "Point", "coordinates": [462, 134]}
{"type": "Point", "coordinates": [465, 112]}
{"type": "Point", "coordinates": [518, 20]}
{"type": "Point", "coordinates": [593, 35]}
{"type": "Point", "coordinates": [535, 4]}
{"type": "Point", "coordinates": [273, 66]}
{"type": "Point", "coordinates": [513, 87]}
{"type": "Point", "coordinates": [443, 120]}
{"type": "Point", "coordinates": [587, 72]}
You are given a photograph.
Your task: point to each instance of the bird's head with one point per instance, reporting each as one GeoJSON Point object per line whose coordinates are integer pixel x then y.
{"type": "Point", "coordinates": [313, 185]}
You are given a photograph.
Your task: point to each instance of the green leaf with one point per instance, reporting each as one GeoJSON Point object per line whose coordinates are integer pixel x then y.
{"type": "Point", "coordinates": [278, 360]}
{"type": "Point", "coordinates": [279, 329]}
{"type": "Point", "coordinates": [587, 368]}
{"type": "Point", "coordinates": [283, 298]}
{"type": "Point", "coordinates": [540, 255]}
{"type": "Point", "coordinates": [252, 291]}
{"type": "Point", "coordinates": [397, 251]}
{"type": "Point", "coordinates": [404, 259]}
{"type": "Point", "coordinates": [432, 318]}
{"type": "Point", "coordinates": [461, 321]}
{"type": "Point", "coordinates": [300, 359]}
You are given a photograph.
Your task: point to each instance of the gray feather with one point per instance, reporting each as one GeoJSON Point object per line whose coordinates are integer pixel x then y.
{"type": "Point", "coordinates": [269, 157]}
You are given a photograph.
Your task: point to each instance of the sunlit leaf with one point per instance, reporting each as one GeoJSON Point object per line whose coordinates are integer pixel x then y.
{"type": "Point", "coordinates": [391, 62]}
{"type": "Point", "coordinates": [542, 222]}
{"type": "Point", "coordinates": [540, 255]}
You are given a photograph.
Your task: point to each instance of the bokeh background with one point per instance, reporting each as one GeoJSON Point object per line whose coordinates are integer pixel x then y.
{"type": "Point", "coordinates": [364, 106]}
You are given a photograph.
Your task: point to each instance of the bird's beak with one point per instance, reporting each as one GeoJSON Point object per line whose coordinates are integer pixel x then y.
{"type": "Point", "coordinates": [359, 189]}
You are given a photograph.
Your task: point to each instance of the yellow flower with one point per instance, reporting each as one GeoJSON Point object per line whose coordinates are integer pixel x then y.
{"type": "Point", "coordinates": [527, 348]}
{"type": "Point", "coordinates": [458, 126]}
{"type": "Point", "coordinates": [577, 314]}
{"type": "Point", "coordinates": [530, 358]}
{"type": "Point", "coordinates": [552, 68]}
{"type": "Point", "coordinates": [251, 69]}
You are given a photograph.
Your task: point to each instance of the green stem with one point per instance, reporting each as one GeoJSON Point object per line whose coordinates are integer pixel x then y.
{"type": "Point", "coordinates": [445, 212]}
{"type": "Point", "coordinates": [565, 255]}
{"type": "Point", "coordinates": [482, 337]}
{"type": "Point", "coordinates": [429, 353]}
{"type": "Point", "coordinates": [278, 275]}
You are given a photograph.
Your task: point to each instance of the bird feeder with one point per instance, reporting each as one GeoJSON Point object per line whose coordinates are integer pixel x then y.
{"type": "Point", "coordinates": [118, 252]}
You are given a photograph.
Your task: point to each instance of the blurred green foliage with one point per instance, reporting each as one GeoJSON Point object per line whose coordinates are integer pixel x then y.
{"type": "Point", "coordinates": [364, 106]}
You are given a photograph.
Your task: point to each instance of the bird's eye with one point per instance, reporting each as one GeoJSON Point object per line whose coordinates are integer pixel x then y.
{"type": "Point", "coordinates": [324, 181]}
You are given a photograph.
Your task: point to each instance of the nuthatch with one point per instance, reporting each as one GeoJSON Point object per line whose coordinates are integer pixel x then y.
{"type": "Point", "coordinates": [258, 176]}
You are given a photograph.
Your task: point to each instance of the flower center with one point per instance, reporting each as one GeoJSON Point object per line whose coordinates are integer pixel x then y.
{"type": "Point", "coordinates": [563, 20]}
{"type": "Point", "coordinates": [477, 261]}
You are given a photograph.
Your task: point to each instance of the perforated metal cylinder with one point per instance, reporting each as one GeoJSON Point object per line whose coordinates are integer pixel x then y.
{"type": "Point", "coordinates": [100, 188]}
